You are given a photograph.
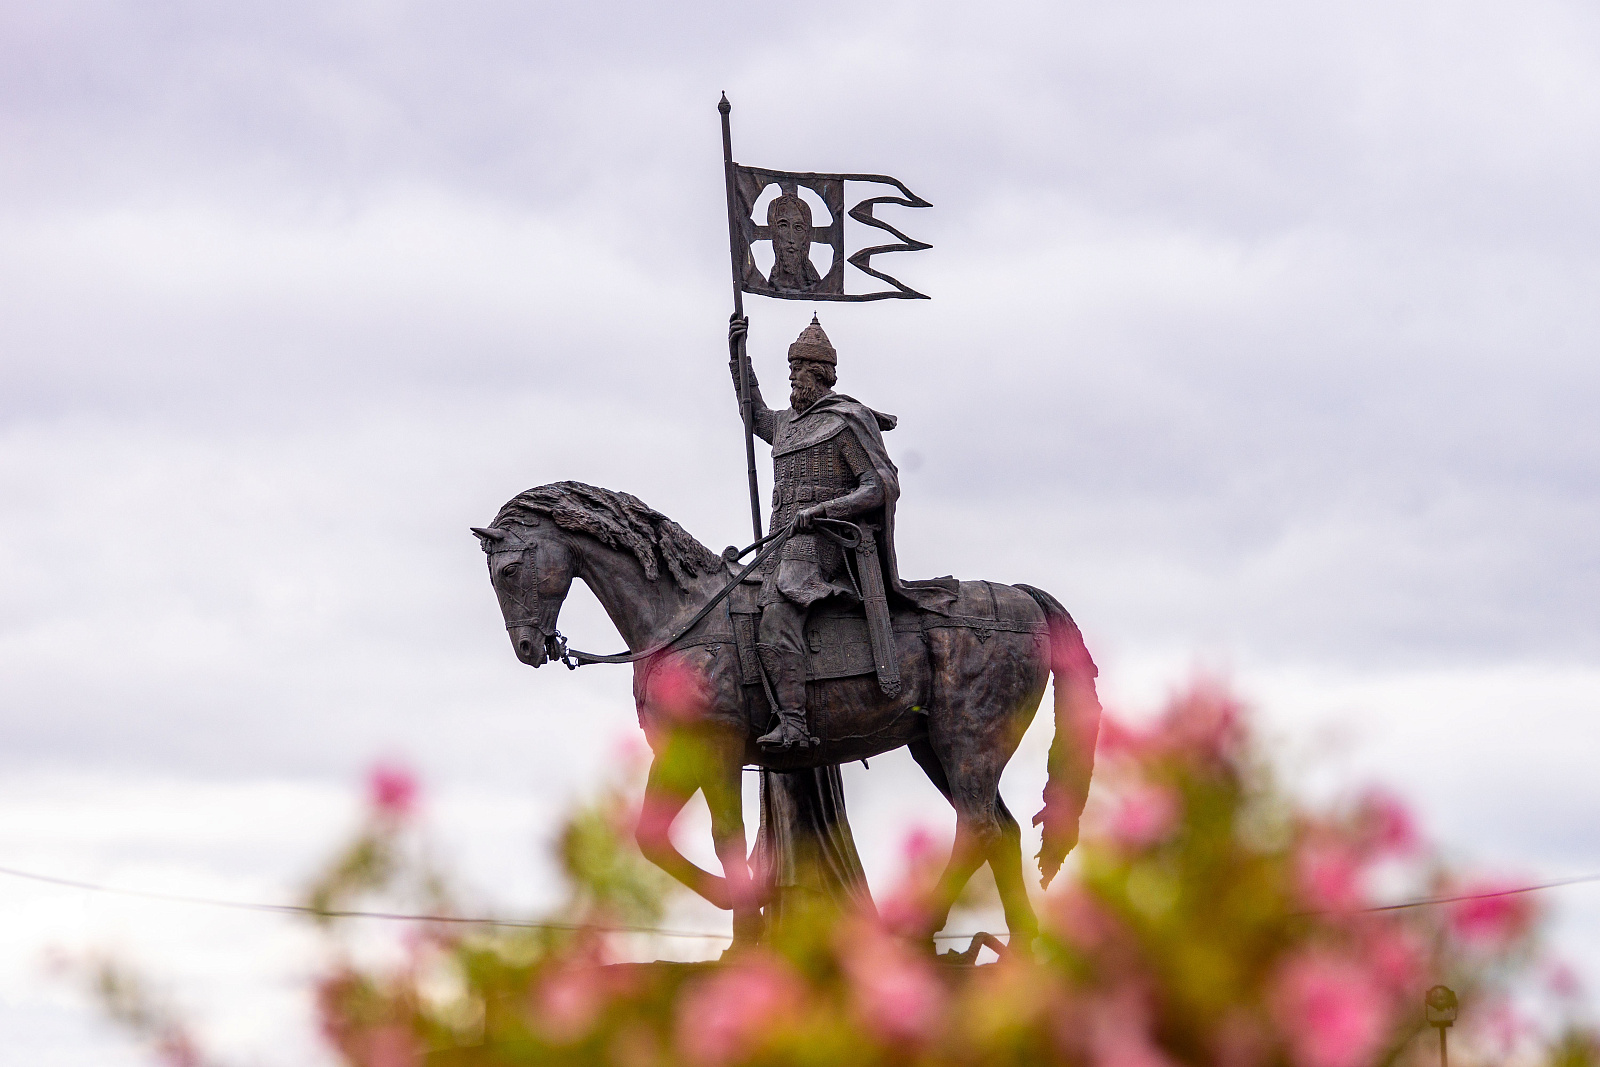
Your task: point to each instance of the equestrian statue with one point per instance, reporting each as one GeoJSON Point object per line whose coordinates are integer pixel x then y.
{"type": "Point", "coordinates": [812, 654]}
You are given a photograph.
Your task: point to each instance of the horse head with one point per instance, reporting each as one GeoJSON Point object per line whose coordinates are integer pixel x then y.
{"type": "Point", "coordinates": [531, 566]}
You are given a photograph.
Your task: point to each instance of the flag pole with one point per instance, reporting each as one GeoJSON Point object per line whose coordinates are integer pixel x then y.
{"type": "Point", "coordinates": [736, 252]}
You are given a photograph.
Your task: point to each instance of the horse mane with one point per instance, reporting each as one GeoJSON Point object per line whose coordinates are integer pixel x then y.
{"type": "Point", "coordinates": [617, 520]}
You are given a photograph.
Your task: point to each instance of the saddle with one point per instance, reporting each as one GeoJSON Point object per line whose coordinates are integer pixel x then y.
{"type": "Point", "coordinates": [838, 640]}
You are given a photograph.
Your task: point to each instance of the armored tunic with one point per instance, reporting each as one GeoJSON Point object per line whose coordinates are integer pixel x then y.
{"type": "Point", "coordinates": [815, 461]}
{"type": "Point", "coordinates": [834, 451]}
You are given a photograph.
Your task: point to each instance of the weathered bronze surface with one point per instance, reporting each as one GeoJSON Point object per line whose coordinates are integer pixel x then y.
{"type": "Point", "coordinates": [792, 231]}
{"type": "Point", "coordinates": [789, 226]}
{"type": "Point", "coordinates": [972, 677]}
{"type": "Point", "coordinates": [816, 652]}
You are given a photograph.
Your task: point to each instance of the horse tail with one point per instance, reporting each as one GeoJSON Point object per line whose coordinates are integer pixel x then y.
{"type": "Point", "coordinates": [1077, 709]}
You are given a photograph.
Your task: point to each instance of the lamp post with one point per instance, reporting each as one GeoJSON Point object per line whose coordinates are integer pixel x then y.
{"type": "Point", "coordinates": [1441, 1008]}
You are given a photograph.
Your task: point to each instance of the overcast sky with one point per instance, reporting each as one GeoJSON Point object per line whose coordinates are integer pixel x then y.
{"type": "Point", "coordinates": [1262, 335]}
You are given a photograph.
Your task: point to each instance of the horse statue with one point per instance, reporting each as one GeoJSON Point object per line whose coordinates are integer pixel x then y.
{"type": "Point", "coordinates": [972, 681]}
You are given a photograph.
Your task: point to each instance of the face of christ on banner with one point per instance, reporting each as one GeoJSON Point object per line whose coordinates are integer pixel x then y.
{"type": "Point", "coordinates": [789, 220]}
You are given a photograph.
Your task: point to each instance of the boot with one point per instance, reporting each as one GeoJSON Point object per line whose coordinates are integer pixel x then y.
{"type": "Point", "coordinates": [791, 730]}
{"type": "Point", "coordinates": [786, 672]}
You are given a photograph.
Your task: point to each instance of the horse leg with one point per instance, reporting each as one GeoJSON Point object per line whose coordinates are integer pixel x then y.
{"type": "Point", "coordinates": [665, 793]}
{"type": "Point", "coordinates": [1005, 862]}
{"type": "Point", "coordinates": [966, 855]}
{"type": "Point", "coordinates": [985, 830]}
{"type": "Point", "coordinates": [726, 801]}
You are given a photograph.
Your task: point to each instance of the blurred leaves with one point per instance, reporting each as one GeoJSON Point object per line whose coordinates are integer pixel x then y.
{"type": "Point", "coordinates": [1209, 918]}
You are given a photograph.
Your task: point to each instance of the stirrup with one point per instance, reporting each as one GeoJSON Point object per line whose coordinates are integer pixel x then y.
{"type": "Point", "coordinates": [791, 730]}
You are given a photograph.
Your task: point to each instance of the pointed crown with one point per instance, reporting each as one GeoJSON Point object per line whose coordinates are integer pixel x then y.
{"type": "Point", "coordinates": [814, 345]}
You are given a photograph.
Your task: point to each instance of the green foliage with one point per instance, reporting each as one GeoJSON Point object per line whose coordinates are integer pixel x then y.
{"type": "Point", "coordinates": [1208, 919]}
{"type": "Point", "coordinates": [604, 869]}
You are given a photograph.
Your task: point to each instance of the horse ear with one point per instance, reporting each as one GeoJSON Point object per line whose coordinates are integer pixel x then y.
{"type": "Point", "coordinates": [487, 535]}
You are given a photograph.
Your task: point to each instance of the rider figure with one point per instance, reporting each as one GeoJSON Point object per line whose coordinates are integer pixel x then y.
{"type": "Point", "coordinates": [829, 462]}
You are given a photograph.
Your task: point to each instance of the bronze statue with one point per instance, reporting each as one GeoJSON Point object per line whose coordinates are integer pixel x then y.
{"type": "Point", "coordinates": [816, 652]}
{"type": "Point", "coordinates": [971, 676]}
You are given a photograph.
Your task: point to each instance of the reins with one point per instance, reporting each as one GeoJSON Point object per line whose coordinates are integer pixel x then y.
{"type": "Point", "coordinates": [847, 534]}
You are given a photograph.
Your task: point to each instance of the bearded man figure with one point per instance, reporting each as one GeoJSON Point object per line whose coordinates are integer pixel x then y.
{"type": "Point", "coordinates": [789, 222]}
{"type": "Point", "coordinates": [829, 461]}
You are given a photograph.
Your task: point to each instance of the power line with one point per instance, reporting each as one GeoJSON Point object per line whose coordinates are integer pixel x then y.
{"type": "Point", "coordinates": [1488, 894]}
{"type": "Point", "coordinates": [302, 909]}
{"type": "Point", "coordinates": [530, 924]}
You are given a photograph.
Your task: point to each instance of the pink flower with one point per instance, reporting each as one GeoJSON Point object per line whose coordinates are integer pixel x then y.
{"type": "Point", "coordinates": [567, 1002]}
{"type": "Point", "coordinates": [677, 689]}
{"type": "Point", "coordinates": [919, 848]}
{"type": "Point", "coordinates": [1563, 981]}
{"type": "Point", "coordinates": [1119, 1033]}
{"type": "Point", "coordinates": [177, 1050]}
{"type": "Point", "coordinates": [1492, 916]}
{"type": "Point", "coordinates": [1204, 723]}
{"type": "Point", "coordinates": [392, 790]}
{"type": "Point", "coordinates": [1143, 816]}
{"type": "Point", "coordinates": [907, 908]}
{"type": "Point", "coordinates": [1080, 919]}
{"type": "Point", "coordinates": [391, 1046]}
{"type": "Point", "coordinates": [897, 993]}
{"type": "Point", "coordinates": [1328, 873]}
{"type": "Point", "coordinates": [1240, 1040]}
{"type": "Point", "coordinates": [1330, 1010]}
{"type": "Point", "coordinates": [723, 1018]}
{"type": "Point", "coordinates": [1389, 824]}
{"type": "Point", "coordinates": [1501, 1026]}
{"type": "Point", "coordinates": [1119, 739]}
{"type": "Point", "coordinates": [1397, 957]}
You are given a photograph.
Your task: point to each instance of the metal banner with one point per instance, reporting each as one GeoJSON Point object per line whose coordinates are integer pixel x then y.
{"type": "Point", "coordinates": [790, 228]}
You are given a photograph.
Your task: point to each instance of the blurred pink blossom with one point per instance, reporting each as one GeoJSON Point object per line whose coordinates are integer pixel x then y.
{"type": "Point", "coordinates": [392, 790]}
{"type": "Point", "coordinates": [1389, 825]}
{"type": "Point", "coordinates": [722, 1018]}
{"type": "Point", "coordinates": [919, 847]}
{"type": "Point", "coordinates": [1328, 874]}
{"type": "Point", "coordinates": [1144, 815]}
{"type": "Point", "coordinates": [1492, 917]}
{"type": "Point", "coordinates": [1331, 1011]}
{"type": "Point", "coordinates": [677, 688]}
{"type": "Point", "coordinates": [897, 993]}
{"type": "Point", "coordinates": [177, 1050]}
{"type": "Point", "coordinates": [1205, 722]}
{"type": "Point", "coordinates": [907, 908]}
{"type": "Point", "coordinates": [568, 1002]}
{"type": "Point", "coordinates": [1119, 739]}
{"type": "Point", "coordinates": [630, 753]}
{"type": "Point", "coordinates": [1079, 918]}
{"type": "Point", "coordinates": [1119, 1033]}
{"type": "Point", "coordinates": [1563, 981]}
{"type": "Point", "coordinates": [393, 1045]}
{"type": "Point", "coordinates": [1241, 1040]}
{"type": "Point", "coordinates": [1397, 955]}
{"type": "Point", "coordinates": [1502, 1025]}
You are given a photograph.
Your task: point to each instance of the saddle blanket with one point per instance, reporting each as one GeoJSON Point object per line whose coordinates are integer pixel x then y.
{"type": "Point", "coordinates": [836, 639]}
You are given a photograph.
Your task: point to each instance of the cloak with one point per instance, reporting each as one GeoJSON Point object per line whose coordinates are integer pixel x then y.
{"type": "Point", "coordinates": [836, 413]}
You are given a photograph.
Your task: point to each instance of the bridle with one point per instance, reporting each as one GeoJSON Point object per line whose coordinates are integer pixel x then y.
{"type": "Point", "coordinates": [846, 534]}
{"type": "Point", "coordinates": [555, 644]}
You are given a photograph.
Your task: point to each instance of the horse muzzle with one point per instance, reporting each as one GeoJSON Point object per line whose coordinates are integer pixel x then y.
{"type": "Point", "coordinates": [536, 648]}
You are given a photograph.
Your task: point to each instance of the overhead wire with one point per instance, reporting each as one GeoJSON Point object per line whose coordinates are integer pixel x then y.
{"type": "Point", "coordinates": [624, 928]}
